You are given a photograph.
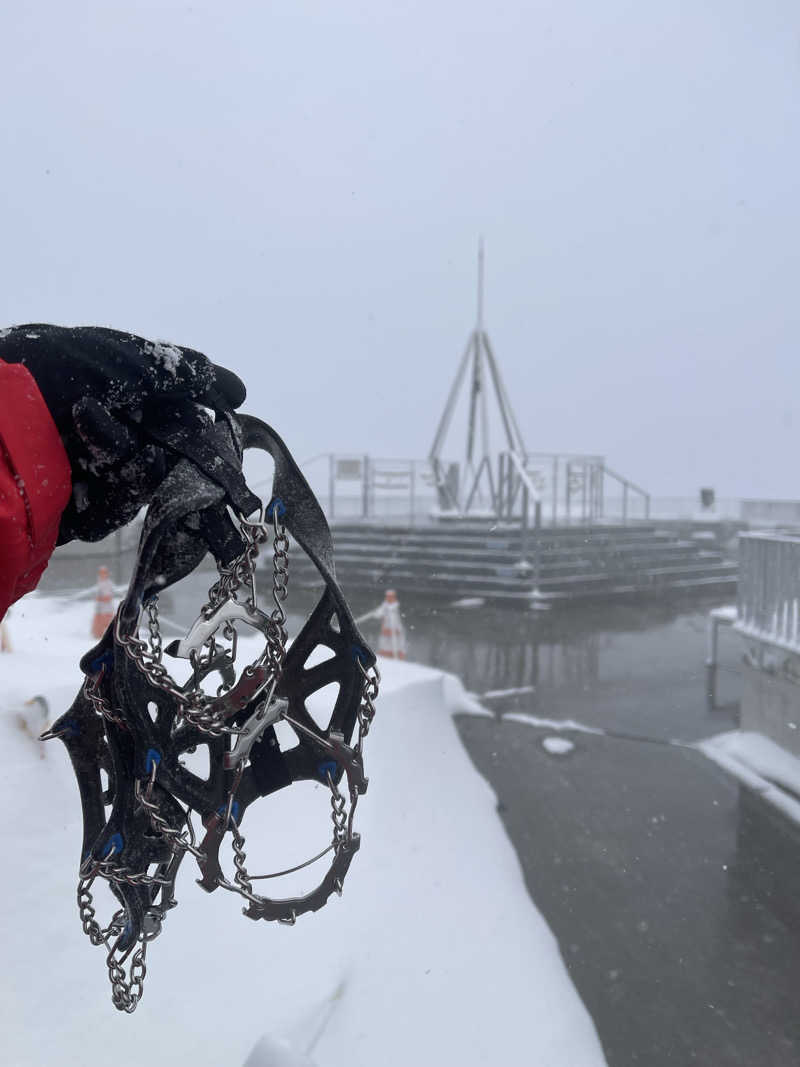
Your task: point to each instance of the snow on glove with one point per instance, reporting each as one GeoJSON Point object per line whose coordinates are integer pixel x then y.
{"type": "Point", "coordinates": [104, 389]}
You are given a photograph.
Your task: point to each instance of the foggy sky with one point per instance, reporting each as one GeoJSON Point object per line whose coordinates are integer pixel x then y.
{"type": "Point", "coordinates": [297, 189]}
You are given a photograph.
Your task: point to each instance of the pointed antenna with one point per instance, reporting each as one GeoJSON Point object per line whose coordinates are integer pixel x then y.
{"type": "Point", "coordinates": [479, 326]}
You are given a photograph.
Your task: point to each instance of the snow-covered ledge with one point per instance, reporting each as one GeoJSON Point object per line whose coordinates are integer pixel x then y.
{"type": "Point", "coordinates": [434, 955]}
{"type": "Point", "coordinates": [761, 765]}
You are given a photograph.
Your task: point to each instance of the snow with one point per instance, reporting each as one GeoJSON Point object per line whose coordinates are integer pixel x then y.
{"type": "Point", "coordinates": [760, 764]}
{"type": "Point", "coordinates": [727, 613]}
{"type": "Point", "coordinates": [434, 955]}
{"type": "Point", "coordinates": [551, 724]}
{"type": "Point", "coordinates": [496, 694]}
{"type": "Point", "coordinates": [557, 746]}
{"type": "Point", "coordinates": [165, 354]}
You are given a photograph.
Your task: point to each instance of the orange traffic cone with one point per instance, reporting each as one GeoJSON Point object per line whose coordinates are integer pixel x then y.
{"type": "Point", "coordinates": [392, 643]}
{"type": "Point", "coordinates": [104, 605]}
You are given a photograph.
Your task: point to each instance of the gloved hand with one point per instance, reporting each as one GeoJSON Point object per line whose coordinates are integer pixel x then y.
{"type": "Point", "coordinates": [104, 389]}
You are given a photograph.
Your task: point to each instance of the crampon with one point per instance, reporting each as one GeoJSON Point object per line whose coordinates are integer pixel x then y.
{"type": "Point", "coordinates": [135, 722]}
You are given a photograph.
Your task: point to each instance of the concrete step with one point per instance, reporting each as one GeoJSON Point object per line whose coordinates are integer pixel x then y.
{"type": "Point", "coordinates": [682, 588]}
{"type": "Point", "coordinates": [574, 563]}
{"type": "Point", "coordinates": [491, 554]}
{"type": "Point", "coordinates": [487, 527]}
{"type": "Point", "coordinates": [584, 588]}
{"type": "Point", "coordinates": [643, 581]}
{"type": "Point", "coordinates": [497, 539]}
{"type": "Point", "coordinates": [644, 555]}
{"type": "Point", "coordinates": [511, 566]}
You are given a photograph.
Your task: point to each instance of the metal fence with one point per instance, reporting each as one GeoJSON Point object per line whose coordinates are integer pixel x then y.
{"type": "Point", "coordinates": [769, 589]}
{"type": "Point", "coordinates": [569, 488]}
{"type": "Point", "coordinates": [770, 512]}
{"type": "Point", "coordinates": [583, 488]}
{"type": "Point", "coordinates": [566, 488]}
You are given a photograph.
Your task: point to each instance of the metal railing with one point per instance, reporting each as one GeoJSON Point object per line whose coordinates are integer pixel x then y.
{"type": "Point", "coordinates": [769, 589]}
{"type": "Point", "coordinates": [555, 488]}
{"type": "Point", "coordinates": [583, 488]}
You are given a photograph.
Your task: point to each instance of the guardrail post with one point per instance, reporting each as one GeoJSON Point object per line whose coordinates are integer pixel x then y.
{"type": "Point", "coordinates": [647, 505]}
{"type": "Point", "coordinates": [525, 523]}
{"type": "Point", "coordinates": [624, 503]}
{"type": "Point", "coordinates": [712, 638]}
{"type": "Point", "coordinates": [412, 483]}
{"type": "Point", "coordinates": [331, 484]}
{"type": "Point", "coordinates": [365, 487]}
{"type": "Point", "coordinates": [555, 490]}
{"type": "Point", "coordinates": [716, 617]}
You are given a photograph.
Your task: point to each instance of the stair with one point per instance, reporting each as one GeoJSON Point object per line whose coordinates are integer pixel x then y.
{"type": "Point", "coordinates": [495, 562]}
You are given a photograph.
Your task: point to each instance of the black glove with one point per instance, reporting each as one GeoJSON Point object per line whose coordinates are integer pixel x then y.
{"type": "Point", "coordinates": [105, 390]}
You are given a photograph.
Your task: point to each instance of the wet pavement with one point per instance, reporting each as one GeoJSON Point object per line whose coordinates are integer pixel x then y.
{"type": "Point", "coordinates": [672, 890]}
{"type": "Point", "coordinates": [669, 889]}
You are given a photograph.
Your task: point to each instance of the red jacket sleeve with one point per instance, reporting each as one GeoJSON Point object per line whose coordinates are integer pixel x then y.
{"type": "Point", "coordinates": [35, 483]}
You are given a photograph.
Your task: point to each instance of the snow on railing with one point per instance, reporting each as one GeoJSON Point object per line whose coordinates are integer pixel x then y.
{"type": "Point", "coordinates": [769, 589]}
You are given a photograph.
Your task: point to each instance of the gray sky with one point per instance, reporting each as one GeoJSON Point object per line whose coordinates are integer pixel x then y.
{"type": "Point", "coordinates": [297, 189]}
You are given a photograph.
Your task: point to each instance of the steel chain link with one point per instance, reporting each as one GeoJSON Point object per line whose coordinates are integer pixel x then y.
{"type": "Point", "coordinates": [177, 838]}
{"type": "Point", "coordinates": [127, 990]}
{"type": "Point", "coordinates": [193, 704]}
{"type": "Point", "coordinates": [342, 819]}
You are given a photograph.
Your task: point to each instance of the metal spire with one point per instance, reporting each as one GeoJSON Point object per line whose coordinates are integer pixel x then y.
{"type": "Point", "coordinates": [484, 375]}
{"type": "Point", "coordinates": [479, 326]}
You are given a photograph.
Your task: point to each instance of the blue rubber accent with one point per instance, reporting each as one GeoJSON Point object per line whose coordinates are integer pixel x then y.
{"type": "Point", "coordinates": [115, 845]}
{"type": "Point", "coordinates": [153, 757]}
{"type": "Point", "coordinates": [223, 808]}
{"type": "Point", "coordinates": [105, 660]}
{"type": "Point", "coordinates": [360, 654]}
{"type": "Point", "coordinates": [328, 767]}
{"type": "Point", "coordinates": [276, 504]}
{"type": "Point", "coordinates": [68, 727]}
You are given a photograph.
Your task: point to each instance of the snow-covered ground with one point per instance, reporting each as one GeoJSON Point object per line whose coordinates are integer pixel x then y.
{"type": "Point", "coordinates": [434, 956]}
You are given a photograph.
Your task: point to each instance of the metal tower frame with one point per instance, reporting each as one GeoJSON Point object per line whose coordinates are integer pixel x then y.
{"type": "Point", "coordinates": [480, 361]}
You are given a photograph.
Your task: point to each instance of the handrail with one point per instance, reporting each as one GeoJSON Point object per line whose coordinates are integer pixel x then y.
{"type": "Point", "coordinates": [768, 535]}
{"type": "Point", "coordinates": [524, 476]}
{"type": "Point", "coordinates": [587, 457]}
{"type": "Point", "coordinates": [626, 485]}
{"type": "Point", "coordinates": [574, 480]}
{"type": "Point", "coordinates": [626, 481]}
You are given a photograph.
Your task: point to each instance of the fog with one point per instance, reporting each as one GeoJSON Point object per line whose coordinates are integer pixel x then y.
{"type": "Point", "coordinates": [298, 189]}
